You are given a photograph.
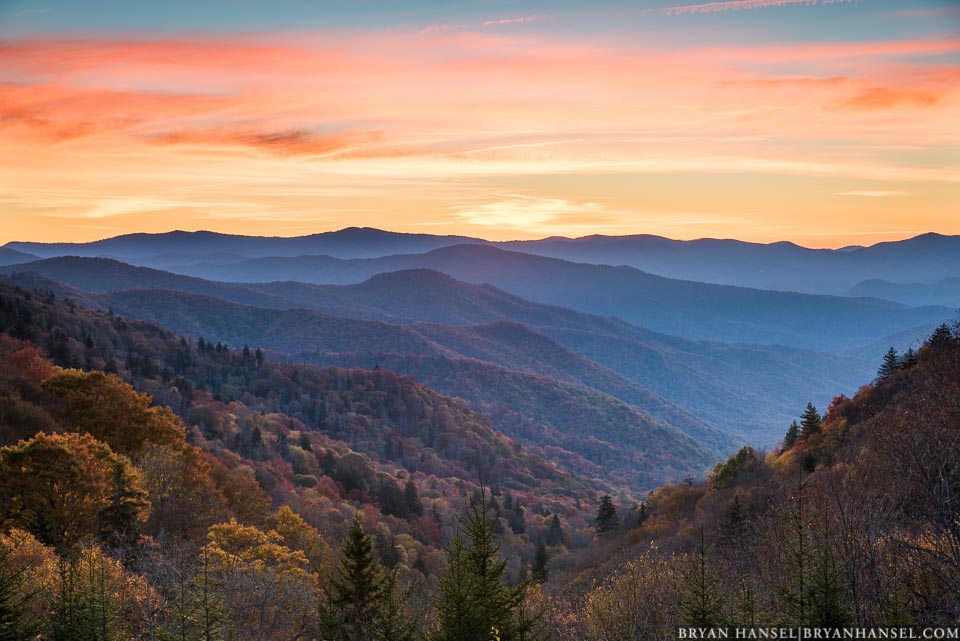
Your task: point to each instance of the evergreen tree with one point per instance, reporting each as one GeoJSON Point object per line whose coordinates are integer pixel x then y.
{"type": "Point", "coordinates": [940, 338]}
{"type": "Point", "coordinates": [909, 358]}
{"type": "Point", "coordinates": [412, 498]}
{"type": "Point", "coordinates": [517, 518]}
{"type": "Point", "coordinates": [85, 608]}
{"type": "Point", "coordinates": [15, 620]}
{"type": "Point", "coordinates": [746, 609]}
{"type": "Point", "coordinates": [607, 517]}
{"type": "Point", "coordinates": [555, 533]}
{"type": "Point", "coordinates": [810, 421]}
{"type": "Point", "coordinates": [394, 623]}
{"type": "Point", "coordinates": [891, 363]}
{"type": "Point", "coordinates": [473, 597]}
{"type": "Point", "coordinates": [701, 600]}
{"type": "Point", "coordinates": [540, 570]}
{"type": "Point", "coordinates": [794, 591]}
{"type": "Point", "coordinates": [793, 433]}
{"type": "Point", "coordinates": [828, 608]}
{"type": "Point", "coordinates": [355, 592]}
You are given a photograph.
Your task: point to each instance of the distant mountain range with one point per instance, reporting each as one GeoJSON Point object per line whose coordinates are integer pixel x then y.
{"type": "Point", "coordinates": [556, 351]}
{"type": "Point", "coordinates": [944, 292]}
{"type": "Point", "coordinates": [698, 311]}
{"type": "Point", "coordinates": [748, 390]}
{"type": "Point", "coordinates": [782, 266]}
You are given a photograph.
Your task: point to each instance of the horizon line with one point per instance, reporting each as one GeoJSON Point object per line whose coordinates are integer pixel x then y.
{"type": "Point", "coordinates": [909, 235]}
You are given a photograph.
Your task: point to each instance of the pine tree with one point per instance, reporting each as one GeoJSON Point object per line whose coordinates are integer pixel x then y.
{"type": "Point", "coordinates": [701, 600]}
{"type": "Point", "coordinates": [85, 608]}
{"type": "Point", "coordinates": [540, 570]}
{"type": "Point", "coordinates": [473, 597]}
{"type": "Point", "coordinates": [607, 517]}
{"type": "Point", "coordinates": [794, 591]}
{"type": "Point", "coordinates": [355, 591]}
{"type": "Point", "coordinates": [891, 363]}
{"type": "Point", "coordinates": [555, 533]}
{"type": "Point", "coordinates": [810, 421]}
{"type": "Point", "coordinates": [940, 338]}
{"type": "Point", "coordinates": [828, 608]}
{"type": "Point", "coordinates": [412, 498]}
{"type": "Point", "coordinates": [16, 623]}
{"type": "Point", "coordinates": [393, 622]}
{"type": "Point", "coordinates": [793, 433]}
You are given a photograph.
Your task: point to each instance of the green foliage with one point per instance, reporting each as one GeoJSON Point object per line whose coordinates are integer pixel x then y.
{"type": "Point", "coordinates": [16, 620]}
{"type": "Point", "coordinates": [793, 433]}
{"type": "Point", "coordinates": [726, 473]}
{"type": "Point", "coordinates": [701, 599]}
{"type": "Point", "coordinates": [86, 607]}
{"type": "Point", "coordinates": [891, 363]}
{"type": "Point", "coordinates": [810, 421]}
{"type": "Point", "coordinates": [540, 569]}
{"type": "Point", "coordinates": [473, 596]}
{"type": "Point", "coordinates": [607, 517]}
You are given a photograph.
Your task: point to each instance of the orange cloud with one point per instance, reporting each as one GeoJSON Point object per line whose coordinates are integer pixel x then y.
{"type": "Point", "coordinates": [139, 124]}
{"type": "Point", "coordinates": [284, 143]}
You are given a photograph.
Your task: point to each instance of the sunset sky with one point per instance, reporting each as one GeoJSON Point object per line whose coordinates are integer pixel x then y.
{"type": "Point", "coordinates": [827, 123]}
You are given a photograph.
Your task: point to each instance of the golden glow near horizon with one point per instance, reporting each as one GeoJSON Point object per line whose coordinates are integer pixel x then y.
{"type": "Point", "coordinates": [504, 134]}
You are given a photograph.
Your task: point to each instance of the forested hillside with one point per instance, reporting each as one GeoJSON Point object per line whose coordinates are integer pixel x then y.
{"type": "Point", "coordinates": [851, 522]}
{"type": "Point", "coordinates": [745, 390]}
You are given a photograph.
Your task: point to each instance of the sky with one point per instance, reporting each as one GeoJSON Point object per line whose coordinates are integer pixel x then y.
{"type": "Point", "coordinates": [824, 122]}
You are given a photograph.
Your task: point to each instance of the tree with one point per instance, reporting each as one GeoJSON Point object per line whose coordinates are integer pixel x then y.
{"type": "Point", "coordinates": [412, 498]}
{"type": "Point", "coordinates": [701, 600]}
{"type": "Point", "coordinates": [940, 338]}
{"type": "Point", "coordinates": [810, 421]}
{"type": "Point", "coordinates": [540, 570]}
{"type": "Point", "coordinates": [355, 591]}
{"type": "Point", "coordinates": [16, 623]}
{"type": "Point", "coordinates": [473, 597]}
{"type": "Point", "coordinates": [264, 585]}
{"type": "Point", "coordinates": [890, 365]}
{"type": "Point", "coordinates": [828, 608]}
{"type": "Point", "coordinates": [65, 488]}
{"type": "Point", "coordinates": [112, 411]}
{"type": "Point", "coordinates": [86, 607]}
{"type": "Point", "coordinates": [555, 532]}
{"type": "Point", "coordinates": [793, 433]}
{"type": "Point", "coordinates": [607, 517]}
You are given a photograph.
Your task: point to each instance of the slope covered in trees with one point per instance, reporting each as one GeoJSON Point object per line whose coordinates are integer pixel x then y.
{"type": "Point", "coordinates": [743, 389]}
{"type": "Point", "coordinates": [663, 440]}
{"type": "Point", "coordinates": [851, 523]}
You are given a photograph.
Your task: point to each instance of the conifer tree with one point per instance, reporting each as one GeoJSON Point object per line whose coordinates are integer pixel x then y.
{"type": "Point", "coordinates": [828, 608]}
{"type": "Point", "coordinates": [412, 498]}
{"type": "Point", "coordinates": [15, 620]}
{"type": "Point", "coordinates": [810, 421]}
{"type": "Point", "coordinates": [607, 517]}
{"type": "Point", "coordinates": [473, 597]}
{"type": "Point", "coordinates": [356, 590]}
{"type": "Point", "coordinates": [940, 338]}
{"type": "Point", "coordinates": [540, 569]}
{"type": "Point", "coordinates": [794, 590]}
{"type": "Point", "coordinates": [793, 433]}
{"type": "Point", "coordinates": [701, 600]}
{"type": "Point", "coordinates": [891, 363]}
{"type": "Point", "coordinates": [555, 533]}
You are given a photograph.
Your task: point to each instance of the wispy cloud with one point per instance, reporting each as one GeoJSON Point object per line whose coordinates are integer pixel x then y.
{"type": "Point", "coordinates": [873, 193]}
{"type": "Point", "coordinates": [517, 20]}
{"type": "Point", "coordinates": [518, 211]}
{"type": "Point", "coordinates": [441, 26]}
{"type": "Point", "coordinates": [736, 5]}
{"type": "Point", "coordinates": [294, 142]}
